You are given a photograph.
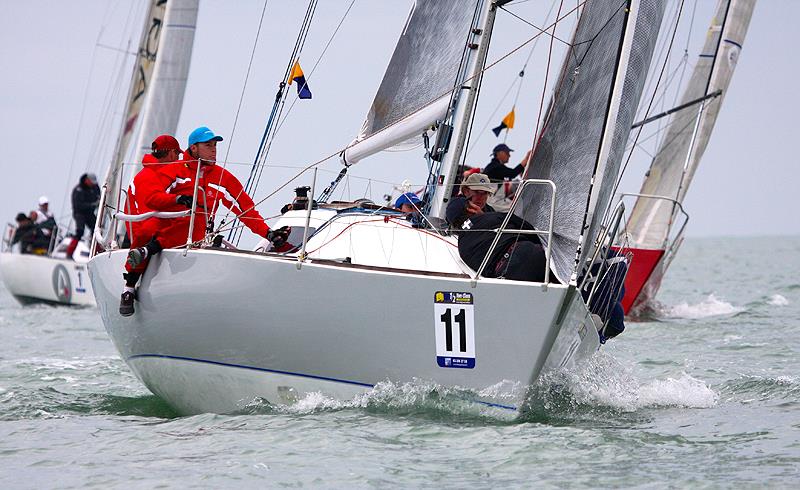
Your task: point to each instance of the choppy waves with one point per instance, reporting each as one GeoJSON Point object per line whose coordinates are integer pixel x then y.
{"type": "Point", "coordinates": [747, 388]}
{"type": "Point", "coordinates": [710, 306]}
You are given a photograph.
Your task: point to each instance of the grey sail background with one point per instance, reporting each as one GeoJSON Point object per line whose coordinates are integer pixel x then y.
{"type": "Point", "coordinates": [568, 148]}
{"type": "Point", "coordinates": [425, 61]}
{"type": "Point", "coordinates": [651, 219]}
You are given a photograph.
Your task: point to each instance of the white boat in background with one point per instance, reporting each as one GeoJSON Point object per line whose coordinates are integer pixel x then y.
{"type": "Point", "coordinates": [51, 279]}
{"type": "Point", "coordinates": [657, 221]}
{"type": "Point", "coordinates": [156, 92]}
{"type": "Point", "coordinates": [369, 297]}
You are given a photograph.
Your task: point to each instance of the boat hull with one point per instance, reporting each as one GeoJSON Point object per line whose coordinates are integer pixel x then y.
{"type": "Point", "coordinates": [42, 279]}
{"type": "Point", "coordinates": [643, 280]}
{"type": "Point", "coordinates": [214, 330]}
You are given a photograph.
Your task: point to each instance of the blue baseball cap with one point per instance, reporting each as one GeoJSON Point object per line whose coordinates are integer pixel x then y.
{"type": "Point", "coordinates": [407, 198]}
{"type": "Point", "coordinates": [201, 135]}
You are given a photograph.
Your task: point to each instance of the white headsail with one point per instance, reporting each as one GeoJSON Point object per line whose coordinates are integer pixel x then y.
{"type": "Point", "coordinates": [679, 155]}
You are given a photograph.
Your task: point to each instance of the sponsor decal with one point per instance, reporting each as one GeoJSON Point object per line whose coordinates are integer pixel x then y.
{"type": "Point", "coordinates": [62, 285]}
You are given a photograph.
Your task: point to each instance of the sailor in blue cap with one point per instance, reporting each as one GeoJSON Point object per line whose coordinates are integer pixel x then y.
{"type": "Point", "coordinates": [408, 202]}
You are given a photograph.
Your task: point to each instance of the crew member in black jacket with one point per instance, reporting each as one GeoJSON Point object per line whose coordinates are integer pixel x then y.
{"type": "Point", "coordinates": [497, 171]}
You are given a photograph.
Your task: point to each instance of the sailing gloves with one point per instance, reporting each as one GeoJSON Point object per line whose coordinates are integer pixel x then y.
{"type": "Point", "coordinates": [278, 237]}
{"type": "Point", "coordinates": [185, 201]}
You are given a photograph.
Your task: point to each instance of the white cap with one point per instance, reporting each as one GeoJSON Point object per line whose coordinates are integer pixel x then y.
{"type": "Point", "coordinates": [43, 200]}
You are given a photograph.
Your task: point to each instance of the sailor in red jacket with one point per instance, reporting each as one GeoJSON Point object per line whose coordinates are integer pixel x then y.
{"type": "Point", "coordinates": [144, 235]}
{"type": "Point", "coordinates": [216, 185]}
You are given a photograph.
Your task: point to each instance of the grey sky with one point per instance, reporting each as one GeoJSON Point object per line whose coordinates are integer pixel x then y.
{"type": "Point", "coordinates": [745, 184]}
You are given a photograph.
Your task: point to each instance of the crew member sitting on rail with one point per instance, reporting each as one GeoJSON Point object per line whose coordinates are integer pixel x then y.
{"type": "Point", "coordinates": [30, 237]}
{"type": "Point", "coordinates": [410, 204]}
{"type": "Point", "coordinates": [517, 256]}
{"type": "Point", "coordinates": [606, 302]}
{"type": "Point", "coordinates": [44, 218]}
{"type": "Point", "coordinates": [144, 235]}
{"type": "Point", "coordinates": [215, 185]}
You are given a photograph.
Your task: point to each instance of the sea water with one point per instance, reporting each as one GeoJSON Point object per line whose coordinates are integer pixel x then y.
{"type": "Point", "coordinates": [706, 395]}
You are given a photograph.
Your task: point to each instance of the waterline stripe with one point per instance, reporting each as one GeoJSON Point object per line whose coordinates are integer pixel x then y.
{"type": "Point", "coordinates": [253, 368]}
{"type": "Point", "coordinates": [288, 373]}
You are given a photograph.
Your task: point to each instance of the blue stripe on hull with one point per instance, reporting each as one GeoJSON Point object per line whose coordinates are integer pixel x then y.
{"type": "Point", "coordinates": [288, 373]}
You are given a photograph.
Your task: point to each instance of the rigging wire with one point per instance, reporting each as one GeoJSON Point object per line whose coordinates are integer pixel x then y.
{"type": "Point", "coordinates": [317, 62]}
{"type": "Point", "coordinates": [299, 45]}
{"type": "Point", "coordinates": [109, 96]}
{"type": "Point", "coordinates": [308, 78]}
{"type": "Point", "coordinates": [246, 78]}
{"type": "Point", "coordinates": [277, 106]}
{"type": "Point", "coordinates": [544, 87]}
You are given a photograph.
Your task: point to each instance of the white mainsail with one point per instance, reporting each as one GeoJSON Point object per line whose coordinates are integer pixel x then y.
{"type": "Point", "coordinates": [680, 153]}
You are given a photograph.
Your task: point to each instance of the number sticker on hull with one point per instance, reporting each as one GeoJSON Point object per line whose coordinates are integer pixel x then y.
{"type": "Point", "coordinates": [454, 320]}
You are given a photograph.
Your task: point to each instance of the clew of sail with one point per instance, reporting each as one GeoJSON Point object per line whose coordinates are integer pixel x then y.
{"type": "Point", "coordinates": [417, 85]}
{"type": "Point", "coordinates": [678, 156]}
{"type": "Point", "coordinates": [583, 140]}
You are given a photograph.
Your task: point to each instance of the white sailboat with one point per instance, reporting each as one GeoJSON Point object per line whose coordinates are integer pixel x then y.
{"type": "Point", "coordinates": [156, 92]}
{"type": "Point", "coordinates": [369, 297]}
{"type": "Point", "coordinates": [657, 221]}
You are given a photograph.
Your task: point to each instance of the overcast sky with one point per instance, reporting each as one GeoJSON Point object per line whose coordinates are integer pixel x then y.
{"type": "Point", "coordinates": [57, 64]}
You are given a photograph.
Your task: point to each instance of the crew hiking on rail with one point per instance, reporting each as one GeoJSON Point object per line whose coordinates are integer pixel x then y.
{"type": "Point", "coordinates": [215, 185]}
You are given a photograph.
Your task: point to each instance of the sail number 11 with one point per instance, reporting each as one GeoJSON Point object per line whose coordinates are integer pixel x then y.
{"type": "Point", "coordinates": [455, 329]}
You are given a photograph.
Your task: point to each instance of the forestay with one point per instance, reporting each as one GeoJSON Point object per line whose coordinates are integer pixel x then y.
{"type": "Point", "coordinates": [583, 140]}
{"type": "Point", "coordinates": [420, 78]}
{"type": "Point", "coordinates": [677, 158]}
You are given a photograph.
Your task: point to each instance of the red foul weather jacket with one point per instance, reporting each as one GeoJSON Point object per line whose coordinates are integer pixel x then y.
{"type": "Point", "coordinates": [218, 186]}
{"type": "Point", "coordinates": [149, 180]}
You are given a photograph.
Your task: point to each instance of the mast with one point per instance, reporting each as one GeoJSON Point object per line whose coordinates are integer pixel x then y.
{"type": "Point", "coordinates": [464, 106]}
{"type": "Point", "coordinates": [700, 110]}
